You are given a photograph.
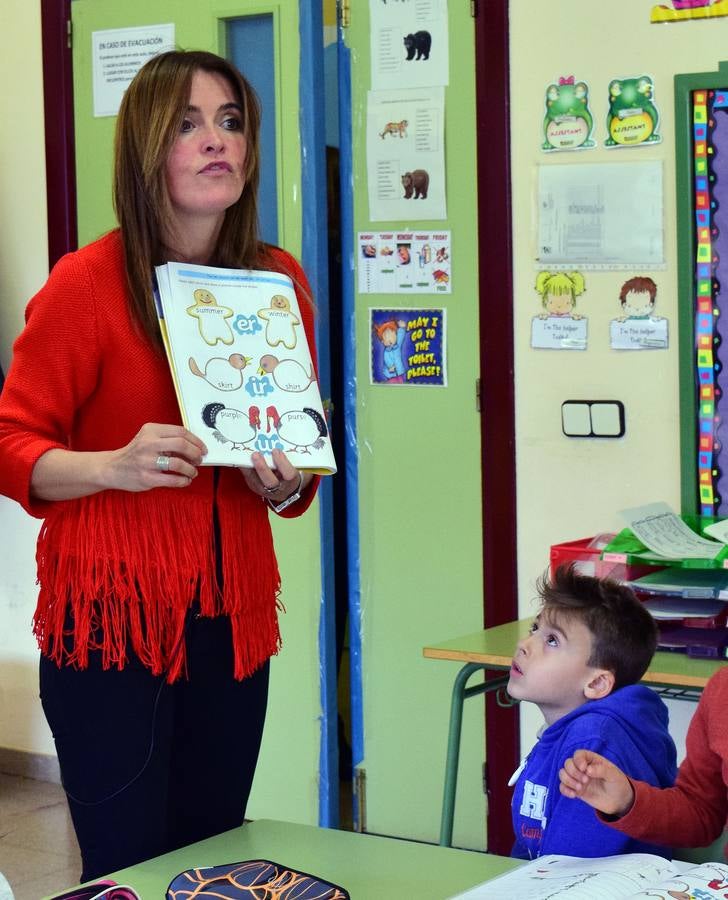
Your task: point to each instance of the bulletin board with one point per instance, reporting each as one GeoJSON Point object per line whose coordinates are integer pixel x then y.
{"type": "Point", "coordinates": [701, 101]}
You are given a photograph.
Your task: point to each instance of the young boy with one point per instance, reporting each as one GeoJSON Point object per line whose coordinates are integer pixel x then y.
{"type": "Point", "coordinates": [591, 642]}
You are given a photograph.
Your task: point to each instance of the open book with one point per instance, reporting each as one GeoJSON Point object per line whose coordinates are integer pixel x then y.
{"type": "Point", "coordinates": [241, 365]}
{"type": "Point", "coordinates": [631, 875]}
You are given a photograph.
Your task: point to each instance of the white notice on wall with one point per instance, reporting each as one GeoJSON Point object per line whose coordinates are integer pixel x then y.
{"type": "Point", "coordinates": [606, 216]}
{"type": "Point", "coordinates": [117, 56]}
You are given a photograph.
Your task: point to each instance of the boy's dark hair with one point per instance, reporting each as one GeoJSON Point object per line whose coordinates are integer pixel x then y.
{"type": "Point", "coordinates": [639, 285]}
{"type": "Point", "coordinates": [624, 634]}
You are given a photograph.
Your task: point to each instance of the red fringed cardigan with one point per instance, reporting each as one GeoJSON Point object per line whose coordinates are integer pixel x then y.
{"type": "Point", "coordinates": [128, 565]}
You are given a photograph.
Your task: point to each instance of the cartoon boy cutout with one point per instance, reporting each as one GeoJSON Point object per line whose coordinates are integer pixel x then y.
{"type": "Point", "coordinates": [637, 297]}
{"type": "Point", "coordinates": [637, 328]}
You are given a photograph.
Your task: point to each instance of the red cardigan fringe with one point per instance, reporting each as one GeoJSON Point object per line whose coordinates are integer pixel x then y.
{"type": "Point", "coordinates": [124, 585]}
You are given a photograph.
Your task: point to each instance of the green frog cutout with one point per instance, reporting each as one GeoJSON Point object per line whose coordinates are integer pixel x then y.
{"type": "Point", "coordinates": [568, 123]}
{"type": "Point", "coordinates": [632, 117]}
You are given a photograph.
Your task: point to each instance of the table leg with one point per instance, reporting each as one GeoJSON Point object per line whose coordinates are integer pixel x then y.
{"type": "Point", "coordinates": [452, 761]}
{"type": "Point", "coordinates": [460, 693]}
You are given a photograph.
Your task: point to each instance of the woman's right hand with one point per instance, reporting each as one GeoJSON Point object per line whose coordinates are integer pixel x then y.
{"type": "Point", "coordinates": [135, 467]}
{"type": "Point", "coordinates": [68, 474]}
{"type": "Point", "coordinates": [598, 782]}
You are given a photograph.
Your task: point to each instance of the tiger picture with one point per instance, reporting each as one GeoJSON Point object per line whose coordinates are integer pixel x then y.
{"type": "Point", "coordinates": [395, 128]}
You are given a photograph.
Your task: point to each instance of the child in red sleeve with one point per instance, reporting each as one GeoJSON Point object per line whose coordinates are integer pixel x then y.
{"type": "Point", "coordinates": [690, 814]}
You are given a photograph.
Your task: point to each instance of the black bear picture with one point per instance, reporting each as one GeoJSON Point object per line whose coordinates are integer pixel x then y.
{"type": "Point", "coordinates": [418, 45]}
{"type": "Point", "coordinates": [415, 184]}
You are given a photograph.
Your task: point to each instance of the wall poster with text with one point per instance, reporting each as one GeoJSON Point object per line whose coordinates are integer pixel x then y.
{"type": "Point", "coordinates": [407, 346]}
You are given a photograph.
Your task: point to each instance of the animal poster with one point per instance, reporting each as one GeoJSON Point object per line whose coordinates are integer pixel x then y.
{"type": "Point", "coordinates": [559, 325]}
{"type": "Point", "coordinates": [408, 346]}
{"type": "Point", "coordinates": [409, 43]}
{"type": "Point", "coordinates": [406, 155]}
{"type": "Point", "coordinates": [404, 262]}
{"type": "Point", "coordinates": [633, 118]}
{"type": "Point", "coordinates": [637, 327]}
{"type": "Point", "coordinates": [685, 10]}
{"type": "Point", "coordinates": [568, 123]}
{"type": "Point", "coordinates": [241, 365]}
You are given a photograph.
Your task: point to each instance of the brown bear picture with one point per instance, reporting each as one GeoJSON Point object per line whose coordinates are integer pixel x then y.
{"type": "Point", "coordinates": [415, 184]}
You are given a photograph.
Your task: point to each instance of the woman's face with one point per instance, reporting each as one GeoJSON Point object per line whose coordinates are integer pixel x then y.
{"type": "Point", "coordinates": [205, 171]}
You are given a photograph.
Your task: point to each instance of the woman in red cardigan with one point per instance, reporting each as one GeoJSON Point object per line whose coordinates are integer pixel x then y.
{"type": "Point", "coordinates": [157, 611]}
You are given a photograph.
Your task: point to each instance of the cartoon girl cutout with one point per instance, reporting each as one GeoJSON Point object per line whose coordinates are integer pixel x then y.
{"type": "Point", "coordinates": [211, 318]}
{"type": "Point", "coordinates": [559, 292]}
{"type": "Point", "coordinates": [392, 335]}
{"type": "Point", "coordinates": [281, 322]}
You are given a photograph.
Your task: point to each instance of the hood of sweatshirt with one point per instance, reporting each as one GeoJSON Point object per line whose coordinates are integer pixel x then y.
{"type": "Point", "coordinates": [643, 718]}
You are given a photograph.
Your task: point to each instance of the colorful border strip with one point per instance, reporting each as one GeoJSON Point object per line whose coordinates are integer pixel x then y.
{"type": "Point", "coordinates": [705, 311]}
{"type": "Point", "coordinates": [703, 305]}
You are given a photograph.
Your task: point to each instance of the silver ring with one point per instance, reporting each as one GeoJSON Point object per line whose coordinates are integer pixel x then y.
{"type": "Point", "coordinates": [162, 462]}
{"type": "Point", "coordinates": [272, 489]}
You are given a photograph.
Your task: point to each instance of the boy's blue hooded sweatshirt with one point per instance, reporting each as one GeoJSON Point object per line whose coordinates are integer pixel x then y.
{"type": "Point", "coordinates": [629, 727]}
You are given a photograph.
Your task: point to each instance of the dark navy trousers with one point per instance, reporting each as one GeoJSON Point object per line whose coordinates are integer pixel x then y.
{"type": "Point", "coordinates": [149, 767]}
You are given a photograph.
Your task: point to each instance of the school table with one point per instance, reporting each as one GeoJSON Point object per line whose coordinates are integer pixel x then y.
{"type": "Point", "coordinates": [675, 675]}
{"type": "Point", "coordinates": [368, 866]}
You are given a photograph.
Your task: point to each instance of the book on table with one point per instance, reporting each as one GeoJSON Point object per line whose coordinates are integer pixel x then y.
{"type": "Point", "coordinates": [241, 365]}
{"type": "Point", "coordinates": [630, 876]}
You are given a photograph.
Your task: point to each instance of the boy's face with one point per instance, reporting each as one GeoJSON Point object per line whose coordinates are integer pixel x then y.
{"type": "Point", "coordinates": [638, 303]}
{"type": "Point", "coordinates": [550, 666]}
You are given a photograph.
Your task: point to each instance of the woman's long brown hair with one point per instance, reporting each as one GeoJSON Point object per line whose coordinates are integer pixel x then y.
{"type": "Point", "coordinates": [150, 118]}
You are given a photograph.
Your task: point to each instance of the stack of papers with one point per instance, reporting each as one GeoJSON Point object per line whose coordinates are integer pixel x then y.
{"type": "Point", "coordinates": [696, 584]}
{"type": "Point", "coordinates": [667, 537]}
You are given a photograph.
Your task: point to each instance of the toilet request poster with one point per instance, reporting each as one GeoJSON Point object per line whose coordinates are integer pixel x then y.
{"type": "Point", "coordinates": [407, 347]}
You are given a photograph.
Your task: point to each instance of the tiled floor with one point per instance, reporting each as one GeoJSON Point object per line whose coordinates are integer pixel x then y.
{"type": "Point", "coordinates": [38, 851]}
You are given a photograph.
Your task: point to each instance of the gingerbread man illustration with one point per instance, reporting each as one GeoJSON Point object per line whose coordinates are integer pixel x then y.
{"type": "Point", "coordinates": [211, 318]}
{"type": "Point", "coordinates": [281, 322]}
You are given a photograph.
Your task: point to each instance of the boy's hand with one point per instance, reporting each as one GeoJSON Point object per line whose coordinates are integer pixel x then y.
{"type": "Point", "coordinates": [598, 782]}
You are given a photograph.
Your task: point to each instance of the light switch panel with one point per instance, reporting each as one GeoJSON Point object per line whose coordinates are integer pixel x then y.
{"type": "Point", "coordinates": [576, 419]}
{"type": "Point", "coordinates": [592, 418]}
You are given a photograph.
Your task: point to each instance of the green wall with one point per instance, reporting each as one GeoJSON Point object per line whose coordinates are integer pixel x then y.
{"type": "Point", "coordinates": [420, 497]}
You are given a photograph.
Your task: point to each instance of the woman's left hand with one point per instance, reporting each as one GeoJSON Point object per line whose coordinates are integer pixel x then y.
{"type": "Point", "coordinates": [276, 482]}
